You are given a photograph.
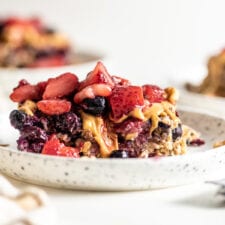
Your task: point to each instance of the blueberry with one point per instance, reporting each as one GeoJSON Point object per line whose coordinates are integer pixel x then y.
{"type": "Point", "coordinates": [163, 128]}
{"type": "Point", "coordinates": [177, 132]}
{"type": "Point", "coordinates": [17, 119]}
{"type": "Point", "coordinates": [95, 106]}
{"type": "Point", "coordinates": [164, 125]}
{"type": "Point", "coordinates": [119, 154]}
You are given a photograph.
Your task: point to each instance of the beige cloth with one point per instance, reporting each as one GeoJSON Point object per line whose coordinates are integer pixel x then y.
{"type": "Point", "coordinates": [29, 206]}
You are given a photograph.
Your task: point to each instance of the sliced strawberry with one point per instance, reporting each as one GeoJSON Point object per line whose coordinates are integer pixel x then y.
{"type": "Point", "coordinates": [69, 152]}
{"type": "Point", "coordinates": [54, 147]}
{"type": "Point", "coordinates": [153, 93]}
{"type": "Point", "coordinates": [54, 107]}
{"type": "Point", "coordinates": [25, 92]}
{"type": "Point", "coordinates": [34, 22]}
{"type": "Point", "coordinates": [92, 91]}
{"type": "Point", "coordinates": [60, 86]}
{"type": "Point", "coordinates": [52, 61]}
{"type": "Point", "coordinates": [15, 21]}
{"type": "Point", "coordinates": [120, 81]}
{"type": "Point", "coordinates": [98, 76]}
{"type": "Point", "coordinates": [125, 99]}
{"type": "Point", "coordinates": [42, 85]}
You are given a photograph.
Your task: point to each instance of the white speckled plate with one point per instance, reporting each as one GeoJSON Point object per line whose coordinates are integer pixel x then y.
{"type": "Point", "coordinates": [199, 164]}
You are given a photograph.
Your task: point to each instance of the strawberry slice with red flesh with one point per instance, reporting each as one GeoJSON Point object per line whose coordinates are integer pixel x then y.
{"type": "Point", "coordinates": [42, 85]}
{"type": "Point", "coordinates": [92, 91]}
{"type": "Point", "coordinates": [54, 106]}
{"type": "Point", "coordinates": [125, 99]}
{"type": "Point", "coordinates": [69, 152]}
{"type": "Point", "coordinates": [120, 81]}
{"type": "Point", "coordinates": [54, 147]}
{"type": "Point", "coordinates": [26, 92]}
{"type": "Point", "coordinates": [98, 76]}
{"type": "Point", "coordinates": [35, 22]}
{"type": "Point", "coordinates": [60, 86]}
{"type": "Point", "coordinates": [153, 93]}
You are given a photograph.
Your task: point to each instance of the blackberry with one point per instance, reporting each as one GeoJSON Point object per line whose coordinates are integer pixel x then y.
{"type": "Point", "coordinates": [17, 119]}
{"type": "Point", "coordinates": [32, 139]}
{"type": "Point", "coordinates": [34, 133]}
{"type": "Point", "coordinates": [48, 123]}
{"type": "Point", "coordinates": [177, 132]}
{"type": "Point", "coordinates": [119, 154]}
{"type": "Point", "coordinates": [32, 121]}
{"type": "Point", "coordinates": [95, 106]}
{"type": "Point", "coordinates": [23, 144]}
{"type": "Point", "coordinates": [68, 122]}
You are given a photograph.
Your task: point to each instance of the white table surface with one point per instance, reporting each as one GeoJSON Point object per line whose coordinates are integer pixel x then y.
{"type": "Point", "coordinates": [191, 204]}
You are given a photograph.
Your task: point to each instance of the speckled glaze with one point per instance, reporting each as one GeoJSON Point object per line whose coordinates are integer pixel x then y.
{"type": "Point", "coordinates": [199, 164]}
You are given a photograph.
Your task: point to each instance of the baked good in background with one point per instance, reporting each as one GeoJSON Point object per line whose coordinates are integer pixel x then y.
{"type": "Point", "coordinates": [214, 83]}
{"type": "Point", "coordinates": [28, 42]}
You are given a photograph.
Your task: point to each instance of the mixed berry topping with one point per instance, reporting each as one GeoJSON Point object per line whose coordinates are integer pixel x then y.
{"type": "Point", "coordinates": [100, 116]}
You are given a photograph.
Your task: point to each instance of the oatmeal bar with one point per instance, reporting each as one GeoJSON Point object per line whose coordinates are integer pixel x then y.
{"type": "Point", "coordinates": [101, 116]}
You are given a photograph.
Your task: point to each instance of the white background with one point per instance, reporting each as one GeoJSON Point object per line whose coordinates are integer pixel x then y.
{"type": "Point", "coordinates": [145, 38]}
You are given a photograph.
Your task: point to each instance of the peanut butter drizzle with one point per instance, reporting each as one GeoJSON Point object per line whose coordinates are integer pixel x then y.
{"type": "Point", "coordinates": [152, 112]}
{"type": "Point", "coordinates": [107, 141]}
{"type": "Point", "coordinates": [28, 107]}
